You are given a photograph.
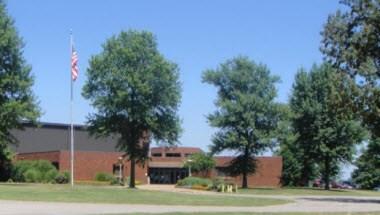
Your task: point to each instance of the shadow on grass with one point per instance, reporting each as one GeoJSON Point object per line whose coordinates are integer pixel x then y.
{"type": "Point", "coordinates": [296, 188]}
{"type": "Point", "coordinates": [344, 200]}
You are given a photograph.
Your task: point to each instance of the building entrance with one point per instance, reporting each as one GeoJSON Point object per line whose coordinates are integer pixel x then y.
{"type": "Point", "coordinates": [167, 175]}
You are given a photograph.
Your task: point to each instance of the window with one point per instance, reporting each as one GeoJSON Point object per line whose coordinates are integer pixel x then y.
{"type": "Point", "coordinates": [173, 155]}
{"type": "Point", "coordinates": [221, 171]}
{"type": "Point", "coordinates": [188, 154]}
{"type": "Point", "coordinates": [55, 164]}
{"type": "Point", "coordinates": [157, 155]}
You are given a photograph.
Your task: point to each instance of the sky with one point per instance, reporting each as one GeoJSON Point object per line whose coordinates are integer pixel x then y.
{"type": "Point", "coordinates": [197, 35]}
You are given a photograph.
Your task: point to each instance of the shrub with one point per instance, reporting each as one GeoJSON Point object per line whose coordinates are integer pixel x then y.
{"type": "Point", "coordinates": [18, 170]}
{"type": "Point", "coordinates": [33, 171]}
{"type": "Point", "coordinates": [32, 175]}
{"type": "Point", "coordinates": [62, 178]}
{"type": "Point", "coordinates": [49, 176]}
{"type": "Point", "coordinates": [116, 181]}
{"type": "Point", "coordinates": [101, 176]}
{"type": "Point", "coordinates": [194, 181]}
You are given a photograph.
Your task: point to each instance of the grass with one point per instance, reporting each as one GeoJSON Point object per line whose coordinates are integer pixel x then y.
{"type": "Point", "coordinates": [96, 194]}
{"type": "Point", "coordinates": [307, 192]}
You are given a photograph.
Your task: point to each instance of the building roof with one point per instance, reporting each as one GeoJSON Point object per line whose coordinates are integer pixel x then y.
{"type": "Point", "coordinates": [224, 161]}
{"type": "Point", "coordinates": [175, 149]}
{"type": "Point", "coordinates": [56, 136]}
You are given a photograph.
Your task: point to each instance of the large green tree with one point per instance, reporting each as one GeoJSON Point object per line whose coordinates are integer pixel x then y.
{"type": "Point", "coordinates": [302, 118]}
{"type": "Point", "coordinates": [327, 129]}
{"type": "Point", "coordinates": [17, 102]}
{"type": "Point", "coordinates": [351, 42]}
{"type": "Point", "coordinates": [246, 112]}
{"type": "Point", "coordinates": [136, 93]}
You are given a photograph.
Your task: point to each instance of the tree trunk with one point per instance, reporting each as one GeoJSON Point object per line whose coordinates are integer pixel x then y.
{"type": "Point", "coordinates": [132, 173]}
{"type": "Point", "coordinates": [245, 171]}
{"type": "Point", "coordinates": [245, 181]}
{"type": "Point", "coordinates": [305, 174]}
{"type": "Point", "coordinates": [327, 174]}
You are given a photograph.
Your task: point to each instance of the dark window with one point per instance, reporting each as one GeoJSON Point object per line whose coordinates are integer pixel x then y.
{"type": "Point", "coordinates": [221, 171]}
{"type": "Point", "coordinates": [188, 154]}
{"type": "Point", "coordinates": [55, 164]}
{"type": "Point", "coordinates": [173, 155]}
{"type": "Point", "coordinates": [157, 155]}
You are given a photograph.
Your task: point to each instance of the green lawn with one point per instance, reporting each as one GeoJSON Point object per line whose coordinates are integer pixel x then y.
{"type": "Point", "coordinates": [96, 194]}
{"type": "Point", "coordinates": [308, 191]}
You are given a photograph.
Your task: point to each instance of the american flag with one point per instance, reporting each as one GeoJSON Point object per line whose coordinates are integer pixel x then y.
{"type": "Point", "coordinates": [74, 64]}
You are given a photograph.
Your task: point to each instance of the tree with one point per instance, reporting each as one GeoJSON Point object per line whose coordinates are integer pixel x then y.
{"type": "Point", "coordinates": [200, 163]}
{"type": "Point", "coordinates": [351, 42]}
{"type": "Point", "coordinates": [302, 118]}
{"type": "Point", "coordinates": [326, 126]}
{"type": "Point", "coordinates": [288, 149]}
{"type": "Point", "coordinates": [351, 39]}
{"type": "Point", "coordinates": [246, 112]}
{"type": "Point", "coordinates": [136, 93]}
{"type": "Point", "coordinates": [367, 174]}
{"type": "Point", "coordinates": [17, 102]}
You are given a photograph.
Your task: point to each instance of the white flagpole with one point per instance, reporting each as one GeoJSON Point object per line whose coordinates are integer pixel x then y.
{"type": "Point", "coordinates": [71, 115]}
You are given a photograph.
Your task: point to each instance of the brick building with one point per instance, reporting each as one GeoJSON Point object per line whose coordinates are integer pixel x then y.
{"type": "Point", "coordinates": [50, 141]}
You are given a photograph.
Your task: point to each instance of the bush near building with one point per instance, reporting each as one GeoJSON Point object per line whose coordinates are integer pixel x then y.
{"type": "Point", "coordinates": [102, 176]}
{"type": "Point", "coordinates": [62, 178]}
{"type": "Point", "coordinates": [195, 182]}
{"type": "Point", "coordinates": [37, 171]}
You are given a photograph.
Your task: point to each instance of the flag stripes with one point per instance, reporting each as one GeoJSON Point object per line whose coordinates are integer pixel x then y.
{"type": "Point", "coordinates": [74, 64]}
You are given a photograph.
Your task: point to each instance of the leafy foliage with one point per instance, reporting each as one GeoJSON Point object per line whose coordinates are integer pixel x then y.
{"type": "Point", "coordinates": [351, 39]}
{"type": "Point", "coordinates": [17, 101]}
{"type": "Point", "coordinates": [246, 112]}
{"type": "Point", "coordinates": [351, 42]}
{"type": "Point", "coordinates": [327, 129]}
{"type": "Point", "coordinates": [200, 163]}
{"type": "Point", "coordinates": [288, 149]}
{"type": "Point", "coordinates": [367, 174]}
{"type": "Point", "coordinates": [102, 176]}
{"type": "Point", "coordinates": [62, 178]}
{"type": "Point", "coordinates": [193, 181]}
{"type": "Point", "coordinates": [40, 171]}
{"type": "Point", "coordinates": [135, 92]}
{"type": "Point", "coordinates": [5, 162]}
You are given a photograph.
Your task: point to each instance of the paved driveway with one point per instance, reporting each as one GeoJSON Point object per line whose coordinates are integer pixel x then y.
{"type": "Point", "coordinates": [300, 205]}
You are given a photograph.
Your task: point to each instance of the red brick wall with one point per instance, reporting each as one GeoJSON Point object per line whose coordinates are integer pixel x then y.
{"type": "Point", "coordinates": [87, 164]}
{"type": "Point", "coordinates": [268, 173]}
{"type": "Point", "coordinates": [50, 156]}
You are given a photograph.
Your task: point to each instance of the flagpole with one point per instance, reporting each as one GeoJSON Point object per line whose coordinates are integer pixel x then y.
{"type": "Point", "coordinates": [71, 116]}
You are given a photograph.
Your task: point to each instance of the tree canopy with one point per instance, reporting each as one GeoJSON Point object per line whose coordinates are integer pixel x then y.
{"type": "Point", "coordinates": [17, 101]}
{"type": "Point", "coordinates": [200, 163]}
{"type": "Point", "coordinates": [351, 42]}
{"type": "Point", "coordinates": [327, 129]}
{"type": "Point", "coordinates": [135, 92]}
{"type": "Point", "coordinates": [367, 174]}
{"type": "Point", "coordinates": [246, 111]}
{"type": "Point", "coordinates": [351, 39]}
